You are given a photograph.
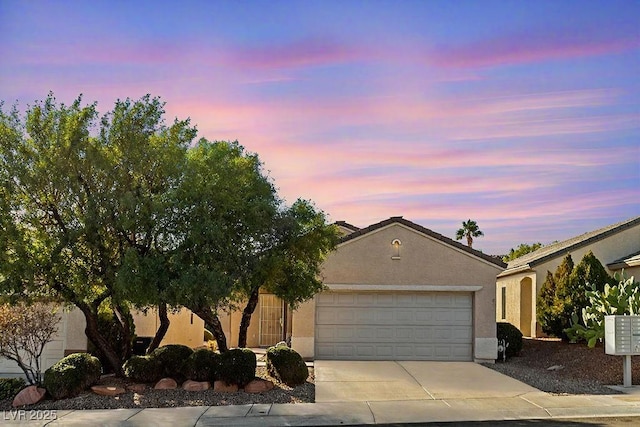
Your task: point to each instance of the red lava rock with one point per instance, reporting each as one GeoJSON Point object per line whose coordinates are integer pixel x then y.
{"type": "Point", "coordinates": [105, 390]}
{"type": "Point", "coordinates": [166, 384]}
{"type": "Point", "coordinates": [136, 388]}
{"type": "Point", "coordinates": [29, 396]}
{"type": "Point", "coordinates": [223, 387]}
{"type": "Point", "coordinates": [190, 385]}
{"type": "Point", "coordinates": [258, 386]}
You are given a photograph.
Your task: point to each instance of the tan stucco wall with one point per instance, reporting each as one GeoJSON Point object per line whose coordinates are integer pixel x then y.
{"type": "Point", "coordinates": [76, 339]}
{"type": "Point", "coordinates": [513, 285]}
{"type": "Point", "coordinates": [423, 261]}
{"type": "Point", "coordinates": [185, 328]}
{"type": "Point", "coordinates": [606, 250]}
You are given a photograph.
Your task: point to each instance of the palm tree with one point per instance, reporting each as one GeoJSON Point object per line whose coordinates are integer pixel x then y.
{"type": "Point", "coordinates": [469, 230]}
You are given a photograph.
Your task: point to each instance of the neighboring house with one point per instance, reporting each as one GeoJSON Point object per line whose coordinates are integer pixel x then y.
{"type": "Point", "coordinates": [616, 246]}
{"type": "Point", "coordinates": [70, 338]}
{"type": "Point", "coordinates": [396, 290]}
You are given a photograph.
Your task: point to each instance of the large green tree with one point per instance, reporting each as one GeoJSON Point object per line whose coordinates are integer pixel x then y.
{"type": "Point", "coordinates": [469, 230]}
{"type": "Point", "coordinates": [80, 192]}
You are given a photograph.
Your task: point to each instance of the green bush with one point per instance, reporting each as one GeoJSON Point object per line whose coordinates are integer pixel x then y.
{"type": "Point", "coordinates": [202, 365]}
{"type": "Point", "coordinates": [142, 369]}
{"type": "Point", "coordinates": [72, 374]}
{"type": "Point", "coordinates": [512, 335]}
{"type": "Point", "coordinates": [286, 365]}
{"type": "Point", "coordinates": [9, 387]}
{"type": "Point", "coordinates": [208, 336]}
{"type": "Point", "coordinates": [171, 357]}
{"type": "Point", "coordinates": [238, 366]}
{"type": "Point", "coordinates": [564, 296]}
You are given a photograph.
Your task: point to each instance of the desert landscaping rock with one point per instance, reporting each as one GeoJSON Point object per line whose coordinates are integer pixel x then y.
{"type": "Point", "coordinates": [136, 388]}
{"type": "Point", "coordinates": [28, 396]}
{"type": "Point", "coordinates": [258, 386]}
{"type": "Point", "coordinates": [281, 393]}
{"type": "Point", "coordinates": [190, 385]}
{"type": "Point", "coordinates": [222, 387]}
{"type": "Point", "coordinates": [166, 384]}
{"type": "Point", "coordinates": [104, 390]}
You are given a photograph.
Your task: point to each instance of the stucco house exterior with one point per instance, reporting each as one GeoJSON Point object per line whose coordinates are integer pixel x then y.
{"type": "Point", "coordinates": [617, 246]}
{"type": "Point", "coordinates": [396, 290]}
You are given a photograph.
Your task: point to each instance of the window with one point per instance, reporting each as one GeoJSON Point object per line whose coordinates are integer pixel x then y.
{"type": "Point", "coordinates": [504, 303]}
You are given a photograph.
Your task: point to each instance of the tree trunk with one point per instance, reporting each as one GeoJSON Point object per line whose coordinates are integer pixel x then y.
{"type": "Point", "coordinates": [162, 330]}
{"type": "Point", "coordinates": [211, 318]}
{"type": "Point", "coordinates": [125, 327]}
{"type": "Point", "coordinates": [246, 317]}
{"type": "Point", "coordinates": [99, 341]}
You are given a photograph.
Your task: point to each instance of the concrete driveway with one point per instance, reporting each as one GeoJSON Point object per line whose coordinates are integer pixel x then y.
{"type": "Point", "coordinates": [359, 381]}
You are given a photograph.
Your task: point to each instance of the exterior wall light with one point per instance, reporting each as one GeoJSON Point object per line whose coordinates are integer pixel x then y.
{"type": "Point", "coordinates": [396, 243]}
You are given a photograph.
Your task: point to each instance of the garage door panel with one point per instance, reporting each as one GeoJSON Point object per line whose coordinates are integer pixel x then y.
{"type": "Point", "coordinates": [402, 326]}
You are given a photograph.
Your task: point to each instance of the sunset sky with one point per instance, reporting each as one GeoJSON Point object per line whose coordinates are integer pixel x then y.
{"type": "Point", "coordinates": [521, 115]}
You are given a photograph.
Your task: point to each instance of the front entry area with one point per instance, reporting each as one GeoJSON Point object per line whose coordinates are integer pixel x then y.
{"type": "Point", "coordinates": [394, 326]}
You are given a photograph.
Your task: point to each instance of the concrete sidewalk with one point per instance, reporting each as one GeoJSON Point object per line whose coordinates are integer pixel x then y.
{"type": "Point", "coordinates": [536, 405]}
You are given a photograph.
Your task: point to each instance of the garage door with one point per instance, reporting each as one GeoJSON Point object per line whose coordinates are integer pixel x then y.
{"type": "Point", "coordinates": [394, 326]}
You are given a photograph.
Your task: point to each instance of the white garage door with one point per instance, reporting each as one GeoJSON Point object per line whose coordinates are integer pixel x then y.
{"type": "Point", "coordinates": [394, 326]}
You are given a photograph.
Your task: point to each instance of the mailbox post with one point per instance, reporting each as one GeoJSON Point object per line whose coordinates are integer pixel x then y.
{"type": "Point", "coordinates": [622, 338]}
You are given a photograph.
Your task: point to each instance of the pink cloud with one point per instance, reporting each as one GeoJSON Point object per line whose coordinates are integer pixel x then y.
{"type": "Point", "coordinates": [530, 47]}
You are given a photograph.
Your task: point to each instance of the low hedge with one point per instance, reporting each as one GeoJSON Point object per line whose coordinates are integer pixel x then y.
{"type": "Point", "coordinates": [72, 374]}
{"type": "Point", "coordinates": [286, 365]}
{"type": "Point", "coordinates": [9, 387]}
{"type": "Point", "coordinates": [142, 369]}
{"type": "Point", "coordinates": [512, 335]}
{"type": "Point", "coordinates": [238, 366]}
{"type": "Point", "coordinates": [171, 357]}
{"type": "Point", "coordinates": [202, 365]}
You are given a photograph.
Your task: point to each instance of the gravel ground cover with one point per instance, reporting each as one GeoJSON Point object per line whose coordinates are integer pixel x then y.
{"type": "Point", "coordinates": [576, 369]}
{"type": "Point", "coordinates": [150, 398]}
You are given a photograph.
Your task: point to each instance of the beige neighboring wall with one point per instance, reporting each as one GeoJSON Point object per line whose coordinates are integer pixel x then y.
{"type": "Point", "coordinates": [76, 338]}
{"type": "Point", "coordinates": [185, 328]}
{"type": "Point", "coordinates": [425, 263]}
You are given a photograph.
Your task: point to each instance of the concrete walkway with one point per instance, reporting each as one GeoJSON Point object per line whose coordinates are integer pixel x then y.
{"type": "Point", "coordinates": [370, 393]}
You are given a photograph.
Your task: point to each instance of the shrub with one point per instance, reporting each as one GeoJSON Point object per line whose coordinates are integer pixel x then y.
{"type": "Point", "coordinates": [171, 357]}
{"type": "Point", "coordinates": [565, 300]}
{"type": "Point", "coordinates": [142, 369]}
{"type": "Point", "coordinates": [238, 366]}
{"type": "Point", "coordinates": [9, 387]}
{"type": "Point", "coordinates": [72, 374]}
{"type": "Point", "coordinates": [513, 337]}
{"type": "Point", "coordinates": [286, 365]}
{"type": "Point", "coordinates": [208, 336]}
{"type": "Point", "coordinates": [202, 365]}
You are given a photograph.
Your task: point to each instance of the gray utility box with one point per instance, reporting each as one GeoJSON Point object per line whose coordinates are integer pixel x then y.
{"type": "Point", "coordinates": [622, 335]}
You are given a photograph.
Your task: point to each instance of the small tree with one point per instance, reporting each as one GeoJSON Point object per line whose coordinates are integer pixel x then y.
{"type": "Point", "coordinates": [547, 306]}
{"type": "Point", "coordinates": [24, 332]}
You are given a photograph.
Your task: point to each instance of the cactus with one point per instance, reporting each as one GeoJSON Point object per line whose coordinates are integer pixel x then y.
{"type": "Point", "coordinates": [620, 299]}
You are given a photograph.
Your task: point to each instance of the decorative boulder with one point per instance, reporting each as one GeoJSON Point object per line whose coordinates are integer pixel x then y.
{"type": "Point", "coordinates": [166, 384]}
{"type": "Point", "coordinates": [258, 386]}
{"type": "Point", "coordinates": [28, 396]}
{"type": "Point", "coordinates": [222, 387]}
{"type": "Point", "coordinates": [190, 385]}
{"type": "Point", "coordinates": [105, 390]}
{"type": "Point", "coordinates": [136, 388]}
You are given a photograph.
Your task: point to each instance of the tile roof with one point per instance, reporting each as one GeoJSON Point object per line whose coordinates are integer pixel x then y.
{"type": "Point", "coordinates": [425, 231]}
{"type": "Point", "coordinates": [626, 261]}
{"type": "Point", "coordinates": [347, 225]}
{"type": "Point", "coordinates": [553, 250]}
